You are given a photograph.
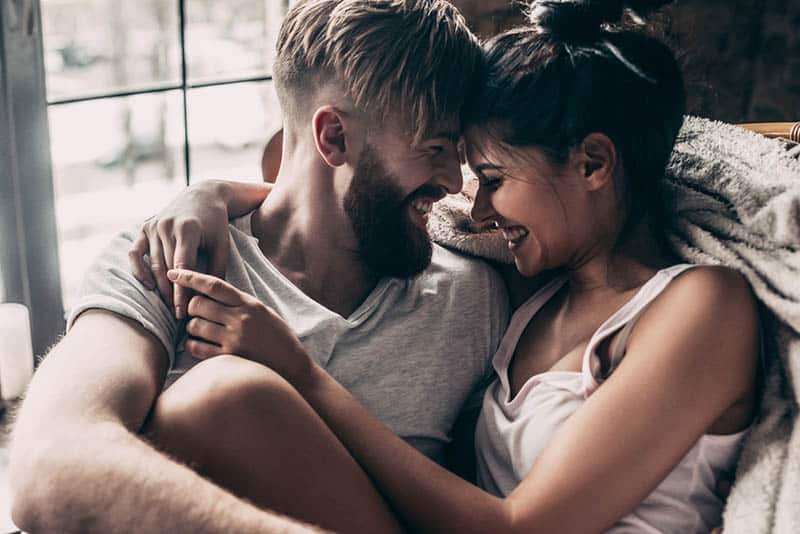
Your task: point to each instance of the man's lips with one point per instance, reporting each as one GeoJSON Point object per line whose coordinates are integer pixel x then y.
{"type": "Point", "coordinates": [423, 205]}
{"type": "Point", "coordinates": [423, 199]}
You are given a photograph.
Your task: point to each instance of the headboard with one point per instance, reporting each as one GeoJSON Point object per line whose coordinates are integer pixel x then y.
{"type": "Point", "coordinates": [271, 157]}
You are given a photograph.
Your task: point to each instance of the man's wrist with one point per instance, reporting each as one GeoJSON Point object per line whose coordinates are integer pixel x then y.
{"type": "Point", "coordinates": [220, 189]}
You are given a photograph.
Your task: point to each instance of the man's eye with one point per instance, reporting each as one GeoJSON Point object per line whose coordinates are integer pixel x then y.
{"type": "Point", "coordinates": [436, 149]}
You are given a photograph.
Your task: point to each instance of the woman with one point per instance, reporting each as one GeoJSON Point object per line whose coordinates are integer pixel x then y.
{"type": "Point", "coordinates": [627, 383]}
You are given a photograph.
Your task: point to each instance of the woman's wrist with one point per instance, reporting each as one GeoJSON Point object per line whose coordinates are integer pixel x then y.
{"type": "Point", "coordinates": [309, 378]}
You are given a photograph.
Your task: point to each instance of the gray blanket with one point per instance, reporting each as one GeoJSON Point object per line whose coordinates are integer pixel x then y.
{"type": "Point", "coordinates": [736, 199]}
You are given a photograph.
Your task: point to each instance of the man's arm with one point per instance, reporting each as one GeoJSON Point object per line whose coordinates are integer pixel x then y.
{"type": "Point", "coordinates": [77, 464]}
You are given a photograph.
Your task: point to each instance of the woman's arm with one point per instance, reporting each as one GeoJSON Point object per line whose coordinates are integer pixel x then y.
{"type": "Point", "coordinates": [195, 220]}
{"type": "Point", "coordinates": [691, 356]}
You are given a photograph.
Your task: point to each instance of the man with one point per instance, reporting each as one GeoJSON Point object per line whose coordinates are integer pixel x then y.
{"type": "Point", "coordinates": [371, 92]}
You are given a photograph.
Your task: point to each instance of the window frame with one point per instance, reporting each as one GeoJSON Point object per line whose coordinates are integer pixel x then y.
{"type": "Point", "coordinates": [29, 242]}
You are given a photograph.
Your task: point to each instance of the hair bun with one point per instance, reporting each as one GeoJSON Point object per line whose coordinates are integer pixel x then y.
{"type": "Point", "coordinates": [582, 20]}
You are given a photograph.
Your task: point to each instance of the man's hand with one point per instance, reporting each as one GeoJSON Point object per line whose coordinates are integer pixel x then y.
{"type": "Point", "coordinates": [225, 320]}
{"type": "Point", "coordinates": [196, 220]}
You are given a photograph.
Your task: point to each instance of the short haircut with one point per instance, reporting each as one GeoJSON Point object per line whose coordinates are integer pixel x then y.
{"type": "Point", "coordinates": [409, 58]}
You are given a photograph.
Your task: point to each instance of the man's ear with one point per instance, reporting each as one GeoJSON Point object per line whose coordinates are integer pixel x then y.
{"type": "Point", "coordinates": [597, 159]}
{"type": "Point", "coordinates": [330, 135]}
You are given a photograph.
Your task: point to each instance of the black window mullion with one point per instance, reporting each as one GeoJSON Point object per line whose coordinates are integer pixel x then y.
{"type": "Point", "coordinates": [184, 88]}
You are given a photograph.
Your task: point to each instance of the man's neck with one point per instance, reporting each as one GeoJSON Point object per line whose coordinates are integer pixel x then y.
{"type": "Point", "coordinates": [305, 234]}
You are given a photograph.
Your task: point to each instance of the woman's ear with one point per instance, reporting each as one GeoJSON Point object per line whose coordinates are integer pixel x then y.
{"type": "Point", "coordinates": [597, 159]}
{"type": "Point", "coordinates": [330, 135]}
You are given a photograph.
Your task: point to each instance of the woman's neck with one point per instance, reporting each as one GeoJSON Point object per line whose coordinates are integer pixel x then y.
{"type": "Point", "coordinates": [621, 266]}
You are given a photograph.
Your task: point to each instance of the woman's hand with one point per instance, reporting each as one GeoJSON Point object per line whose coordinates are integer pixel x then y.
{"type": "Point", "coordinates": [225, 320]}
{"type": "Point", "coordinates": [196, 220]}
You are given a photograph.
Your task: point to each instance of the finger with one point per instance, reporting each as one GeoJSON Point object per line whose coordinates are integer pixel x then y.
{"type": "Point", "coordinates": [167, 243]}
{"type": "Point", "coordinates": [206, 308]}
{"type": "Point", "coordinates": [208, 285]}
{"type": "Point", "coordinates": [158, 267]}
{"type": "Point", "coordinates": [218, 255]}
{"type": "Point", "coordinates": [185, 258]}
{"type": "Point", "coordinates": [206, 330]}
{"type": "Point", "coordinates": [140, 269]}
{"type": "Point", "coordinates": [202, 350]}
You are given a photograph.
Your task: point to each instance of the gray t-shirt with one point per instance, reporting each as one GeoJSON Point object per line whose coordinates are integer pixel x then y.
{"type": "Point", "coordinates": [414, 353]}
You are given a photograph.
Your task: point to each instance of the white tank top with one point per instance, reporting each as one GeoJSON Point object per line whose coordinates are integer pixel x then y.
{"type": "Point", "coordinates": [511, 433]}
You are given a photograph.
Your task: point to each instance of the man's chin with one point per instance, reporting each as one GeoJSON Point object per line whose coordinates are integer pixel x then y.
{"type": "Point", "coordinates": [402, 262]}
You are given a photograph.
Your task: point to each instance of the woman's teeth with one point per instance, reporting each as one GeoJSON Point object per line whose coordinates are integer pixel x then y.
{"type": "Point", "coordinates": [515, 234]}
{"type": "Point", "coordinates": [423, 206]}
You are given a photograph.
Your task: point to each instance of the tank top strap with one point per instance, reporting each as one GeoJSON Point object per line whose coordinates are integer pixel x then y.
{"type": "Point", "coordinates": [624, 320]}
{"type": "Point", "coordinates": [622, 341]}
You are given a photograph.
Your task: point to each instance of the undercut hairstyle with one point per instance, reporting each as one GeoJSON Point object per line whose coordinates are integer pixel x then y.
{"type": "Point", "coordinates": [412, 59]}
{"type": "Point", "coordinates": [580, 69]}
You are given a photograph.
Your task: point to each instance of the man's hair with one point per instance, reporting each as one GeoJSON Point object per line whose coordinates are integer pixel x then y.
{"type": "Point", "coordinates": [411, 58]}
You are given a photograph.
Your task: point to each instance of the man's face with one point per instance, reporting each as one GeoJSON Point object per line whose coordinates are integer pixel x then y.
{"type": "Point", "coordinates": [389, 199]}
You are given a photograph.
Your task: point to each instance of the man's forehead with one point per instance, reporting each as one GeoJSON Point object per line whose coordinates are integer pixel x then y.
{"type": "Point", "coordinates": [450, 135]}
{"type": "Point", "coordinates": [444, 129]}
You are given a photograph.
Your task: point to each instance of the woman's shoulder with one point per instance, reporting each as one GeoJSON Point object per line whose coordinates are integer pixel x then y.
{"type": "Point", "coordinates": [708, 313]}
{"type": "Point", "coordinates": [711, 288]}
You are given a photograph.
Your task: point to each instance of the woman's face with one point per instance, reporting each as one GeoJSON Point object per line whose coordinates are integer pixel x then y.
{"type": "Point", "coordinates": [542, 209]}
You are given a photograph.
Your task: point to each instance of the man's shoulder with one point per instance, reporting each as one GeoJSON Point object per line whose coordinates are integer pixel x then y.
{"type": "Point", "coordinates": [456, 277]}
{"type": "Point", "coordinates": [463, 268]}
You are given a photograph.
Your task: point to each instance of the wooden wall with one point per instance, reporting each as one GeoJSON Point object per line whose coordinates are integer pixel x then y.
{"type": "Point", "coordinates": [741, 58]}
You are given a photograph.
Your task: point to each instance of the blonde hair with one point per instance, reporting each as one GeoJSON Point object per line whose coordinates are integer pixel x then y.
{"type": "Point", "coordinates": [411, 58]}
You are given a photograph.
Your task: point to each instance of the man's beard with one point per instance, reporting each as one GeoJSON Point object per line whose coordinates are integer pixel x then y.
{"type": "Point", "coordinates": [390, 243]}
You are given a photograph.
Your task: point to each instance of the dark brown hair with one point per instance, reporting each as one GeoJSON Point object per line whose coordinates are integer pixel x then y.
{"type": "Point", "coordinates": [571, 74]}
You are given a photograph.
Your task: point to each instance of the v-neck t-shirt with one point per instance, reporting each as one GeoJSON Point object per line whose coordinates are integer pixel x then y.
{"type": "Point", "coordinates": [414, 353]}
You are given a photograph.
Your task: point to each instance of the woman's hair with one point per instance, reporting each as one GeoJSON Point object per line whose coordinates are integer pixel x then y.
{"type": "Point", "coordinates": [573, 73]}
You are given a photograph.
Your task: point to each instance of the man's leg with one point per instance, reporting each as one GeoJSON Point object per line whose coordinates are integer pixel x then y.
{"type": "Point", "coordinates": [247, 429]}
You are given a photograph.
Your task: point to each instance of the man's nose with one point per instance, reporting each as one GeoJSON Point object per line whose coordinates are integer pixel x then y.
{"type": "Point", "coordinates": [452, 178]}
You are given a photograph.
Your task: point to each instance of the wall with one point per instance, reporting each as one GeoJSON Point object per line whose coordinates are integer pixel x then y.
{"type": "Point", "coordinates": [741, 58]}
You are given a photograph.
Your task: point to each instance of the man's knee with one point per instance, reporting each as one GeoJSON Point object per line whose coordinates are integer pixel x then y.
{"type": "Point", "coordinates": [218, 399]}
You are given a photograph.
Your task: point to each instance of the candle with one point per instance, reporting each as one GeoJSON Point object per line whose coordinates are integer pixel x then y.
{"type": "Point", "coordinates": [16, 352]}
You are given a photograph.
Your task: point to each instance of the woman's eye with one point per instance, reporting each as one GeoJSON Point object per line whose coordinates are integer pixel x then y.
{"type": "Point", "coordinates": [490, 183]}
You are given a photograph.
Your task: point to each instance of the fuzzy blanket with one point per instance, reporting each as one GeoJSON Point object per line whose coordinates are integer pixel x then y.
{"type": "Point", "coordinates": [736, 198]}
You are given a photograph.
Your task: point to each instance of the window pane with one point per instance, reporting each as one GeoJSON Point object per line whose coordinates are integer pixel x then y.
{"type": "Point", "coordinates": [231, 39]}
{"type": "Point", "coordinates": [100, 46]}
{"type": "Point", "coordinates": [115, 162]}
{"type": "Point", "coordinates": [228, 128]}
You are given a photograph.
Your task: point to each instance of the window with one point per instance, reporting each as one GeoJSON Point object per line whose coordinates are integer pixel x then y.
{"type": "Point", "coordinates": [142, 99]}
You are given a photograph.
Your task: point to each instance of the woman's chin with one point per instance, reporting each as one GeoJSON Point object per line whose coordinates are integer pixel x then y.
{"type": "Point", "coordinates": [526, 268]}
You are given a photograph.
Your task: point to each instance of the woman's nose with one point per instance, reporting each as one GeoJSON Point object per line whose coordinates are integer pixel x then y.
{"type": "Point", "coordinates": [482, 210]}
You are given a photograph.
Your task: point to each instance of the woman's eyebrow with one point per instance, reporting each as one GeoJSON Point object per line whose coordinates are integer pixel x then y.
{"type": "Point", "coordinates": [488, 167]}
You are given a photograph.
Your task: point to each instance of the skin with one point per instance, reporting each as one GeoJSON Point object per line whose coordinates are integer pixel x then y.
{"type": "Point", "coordinates": [682, 376]}
{"type": "Point", "coordinates": [102, 476]}
{"type": "Point", "coordinates": [86, 470]}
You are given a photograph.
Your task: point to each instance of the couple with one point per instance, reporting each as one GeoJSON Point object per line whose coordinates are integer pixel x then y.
{"type": "Point", "coordinates": [618, 394]}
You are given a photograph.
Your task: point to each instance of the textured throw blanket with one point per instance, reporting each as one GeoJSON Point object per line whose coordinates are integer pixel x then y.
{"type": "Point", "coordinates": [736, 197]}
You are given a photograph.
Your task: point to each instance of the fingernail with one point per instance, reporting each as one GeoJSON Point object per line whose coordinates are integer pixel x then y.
{"type": "Point", "coordinates": [172, 274]}
{"type": "Point", "coordinates": [178, 312]}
